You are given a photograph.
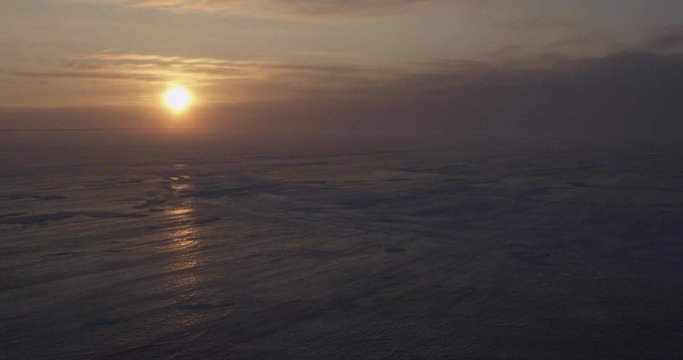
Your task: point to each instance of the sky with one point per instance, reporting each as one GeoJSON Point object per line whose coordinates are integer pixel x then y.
{"type": "Point", "coordinates": [523, 64]}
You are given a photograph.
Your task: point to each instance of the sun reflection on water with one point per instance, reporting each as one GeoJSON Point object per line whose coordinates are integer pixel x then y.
{"type": "Point", "coordinates": [183, 239]}
{"type": "Point", "coordinates": [179, 211]}
{"type": "Point", "coordinates": [180, 183]}
{"type": "Point", "coordinates": [183, 244]}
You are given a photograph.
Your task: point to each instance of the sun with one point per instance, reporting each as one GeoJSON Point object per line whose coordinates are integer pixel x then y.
{"type": "Point", "coordinates": [177, 98]}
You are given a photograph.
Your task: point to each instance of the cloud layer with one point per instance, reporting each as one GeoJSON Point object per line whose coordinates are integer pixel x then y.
{"type": "Point", "coordinates": [633, 90]}
{"type": "Point", "coordinates": [624, 93]}
{"type": "Point", "coordinates": [268, 8]}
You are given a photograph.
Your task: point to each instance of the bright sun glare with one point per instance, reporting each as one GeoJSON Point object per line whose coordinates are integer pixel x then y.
{"type": "Point", "coordinates": [177, 99]}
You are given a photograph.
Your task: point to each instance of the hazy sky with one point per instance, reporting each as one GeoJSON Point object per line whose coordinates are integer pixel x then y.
{"type": "Point", "coordinates": [93, 53]}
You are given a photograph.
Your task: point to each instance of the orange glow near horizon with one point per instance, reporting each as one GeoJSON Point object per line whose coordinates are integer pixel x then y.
{"type": "Point", "coordinates": [178, 99]}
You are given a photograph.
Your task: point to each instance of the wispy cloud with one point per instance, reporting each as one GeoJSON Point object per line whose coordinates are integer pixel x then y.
{"type": "Point", "coordinates": [203, 69]}
{"type": "Point", "coordinates": [282, 8]}
{"type": "Point", "coordinates": [242, 79]}
{"type": "Point", "coordinates": [569, 33]}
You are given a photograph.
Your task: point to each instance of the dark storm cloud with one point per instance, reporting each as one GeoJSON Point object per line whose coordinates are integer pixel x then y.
{"type": "Point", "coordinates": [666, 38]}
{"type": "Point", "coordinates": [625, 93]}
